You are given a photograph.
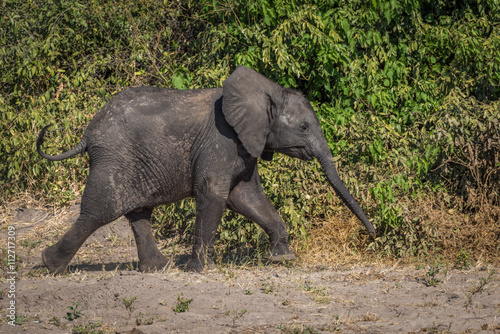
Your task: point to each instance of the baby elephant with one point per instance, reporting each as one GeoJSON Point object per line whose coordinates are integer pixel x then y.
{"type": "Point", "coordinates": [150, 146]}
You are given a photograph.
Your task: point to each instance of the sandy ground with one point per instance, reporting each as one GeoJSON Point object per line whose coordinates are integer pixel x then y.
{"type": "Point", "coordinates": [103, 293]}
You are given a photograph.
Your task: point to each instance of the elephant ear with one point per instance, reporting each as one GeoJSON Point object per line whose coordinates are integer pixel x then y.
{"type": "Point", "coordinates": [249, 105]}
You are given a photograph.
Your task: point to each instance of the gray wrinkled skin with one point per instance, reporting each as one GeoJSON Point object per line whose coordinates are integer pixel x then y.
{"type": "Point", "coordinates": [150, 146]}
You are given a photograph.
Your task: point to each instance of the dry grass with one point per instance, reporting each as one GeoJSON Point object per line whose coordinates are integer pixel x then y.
{"type": "Point", "coordinates": [458, 234]}
{"type": "Point", "coordinates": [457, 238]}
{"type": "Point", "coordinates": [469, 238]}
{"type": "Point", "coordinates": [36, 232]}
{"type": "Point", "coordinates": [337, 242]}
{"type": "Point", "coordinates": [476, 234]}
{"type": "Point", "coordinates": [54, 220]}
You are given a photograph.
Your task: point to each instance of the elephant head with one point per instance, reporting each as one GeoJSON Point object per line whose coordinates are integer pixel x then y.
{"type": "Point", "coordinates": [269, 118]}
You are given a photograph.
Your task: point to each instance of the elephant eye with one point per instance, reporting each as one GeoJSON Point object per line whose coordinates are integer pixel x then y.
{"type": "Point", "coordinates": [304, 128]}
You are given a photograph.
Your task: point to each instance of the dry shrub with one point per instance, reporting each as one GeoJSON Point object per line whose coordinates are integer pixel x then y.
{"type": "Point", "coordinates": [338, 241]}
{"type": "Point", "coordinates": [470, 133]}
{"type": "Point", "coordinates": [477, 235]}
{"type": "Point", "coordinates": [449, 236]}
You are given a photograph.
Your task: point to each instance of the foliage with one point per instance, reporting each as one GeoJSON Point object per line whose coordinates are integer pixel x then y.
{"type": "Point", "coordinates": [235, 315]}
{"type": "Point", "coordinates": [182, 304]}
{"type": "Point", "coordinates": [61, 60]}
{"type": "Point", "coordinates": [74, 312]}
{"type": "Point", "coordinates": [129, 303]}
{"type": "Point", "coordinates": [88, 329]}
{"type": "Point", "coordinates": [468, 136]}
{"type": "Point", "coordinates": [431, 275]}
{"type": "Point", "coordinates": [407, 92]}
{"type": "Point", "coordinates": [483, 281]}
{"type": "Point", "coordinates": [462, 261]}
{"type": "Point", "coordinates": [21, 319]}
{"type": "Point", "coordinates": [140, 320]}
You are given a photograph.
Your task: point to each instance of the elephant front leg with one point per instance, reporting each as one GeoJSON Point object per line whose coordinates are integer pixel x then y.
{"type": "Point", "coordinates": [249, 200]}
{"type": "Point", "coordinates": [209, 209]}
{"type": "Point", "coordinates": [150, 257]}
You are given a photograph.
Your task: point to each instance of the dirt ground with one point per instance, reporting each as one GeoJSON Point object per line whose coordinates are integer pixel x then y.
{"type": "Point", "coordinates": [103, 293]}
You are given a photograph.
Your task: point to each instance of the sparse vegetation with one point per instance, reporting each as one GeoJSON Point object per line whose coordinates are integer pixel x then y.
{"type": "Point", "coordinates": [235, 315]}
{"type": "Point", "coordinates": [462, 260]}
{"type": "Point", "coordinates": [55, 321]}
{"type": "Point", "coordinates": [129, 304]}
{"type": "Point", "coordinates": [267, 286]}
{"type": "Point", "coordinates": [479, 288]}
{"type": "Point", "coordinates": [229, 274]}
{"type": "Point", "coordinates": [88, 329]}
{"type": "Point", "coordinates": [432, 275]}
{"type": "Point", "coordinates": [298, 329]}
{"type": "Point", "coordinates": [182, 304]}
{"type": "Point", "coordinates": [318, 293]}
{"type": "Point", "coordinates": [21, 319]}
{"type": "Point", "coordinates": [141, 320]}
{"type": "Point", "coordinates": [74, 313]}
{"type": "Point", "coordinates": [30, 244]}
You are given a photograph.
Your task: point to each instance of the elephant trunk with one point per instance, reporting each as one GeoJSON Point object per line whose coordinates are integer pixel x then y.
{"type": "Point", "coordinates": [330, 171]}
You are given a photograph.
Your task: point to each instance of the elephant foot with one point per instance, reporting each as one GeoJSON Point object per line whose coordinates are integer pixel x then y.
{"type": "Point", "coordinates": [281, 252]}
{"type": "Point", "coordinates": [158, 263]}
{"type": "Point", "coordinates": [199, 265]}
{"type": "Point", "coordinates": [52, 260]}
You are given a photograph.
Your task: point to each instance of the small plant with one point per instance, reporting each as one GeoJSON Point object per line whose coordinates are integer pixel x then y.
{"type": "Point", "coordinates": [248, 292]}
{"type": "Point", "coordinates": [21, 319]}
{"type": "Point", "coordinates": [182, 304]}
{"type": "Point", "coordinates": [88, 329]}
{"type": "Point", "coordinates": [313, 289]}
{"type": "Point", "coordinates": [129, 303]}
{"type": "Point", "coordinates": [113, 238]}
{"type": "Point", "coordinates": [267, 287]}
{"type": "Point", "coordinates": [30, 244]}
{"type": "Point", "coordinates": [55, 321]}
{"type": "Point", "coordinates": [480, 288]}
{"type": "Point", "coordinates": [141, 321]}
{"type": "Point", "coordinates": [431, 279]}
{"type": "Point", "coordinates": [369, 316]}
{"type": "Point", "coordinates": [229, 274]}
{"type": "Point", "coordinates": [420, 266]}
{"type": "Point", "coordinates": [235, 315]}
{"type": "Point", "coordinates": [37, 273]}
{"type": "Point", "coordinates": [297, 329]}
{"type": "Point", "coordinates": [74, 312]}
{"type": "Point", "coordinates": [463, 260]}
{"type": "Point", "coordinates": [318, 293]}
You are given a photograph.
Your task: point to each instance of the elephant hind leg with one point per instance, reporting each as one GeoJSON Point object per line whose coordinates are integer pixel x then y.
{"type": "Point", "coordinates": [150, 257]}
{"type": "Point", "coordinates": [98, 209]}
{"type": "Point", "coordinates": [57, 257]}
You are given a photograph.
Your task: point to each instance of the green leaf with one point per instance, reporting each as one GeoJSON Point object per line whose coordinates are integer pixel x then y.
{"type": "Point", "coordinates": [179, 81]}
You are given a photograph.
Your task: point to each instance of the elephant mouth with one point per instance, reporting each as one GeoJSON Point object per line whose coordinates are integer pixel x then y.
{"type": "Point", "coordinates": [300, 152]}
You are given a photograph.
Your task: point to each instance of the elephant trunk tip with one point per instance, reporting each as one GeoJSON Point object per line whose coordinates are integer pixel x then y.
{"type": "Point", "coordinates": [371, 230]}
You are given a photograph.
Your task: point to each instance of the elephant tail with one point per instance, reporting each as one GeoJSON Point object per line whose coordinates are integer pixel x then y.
{"type": "Point", "coordinates": [80, 148]}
